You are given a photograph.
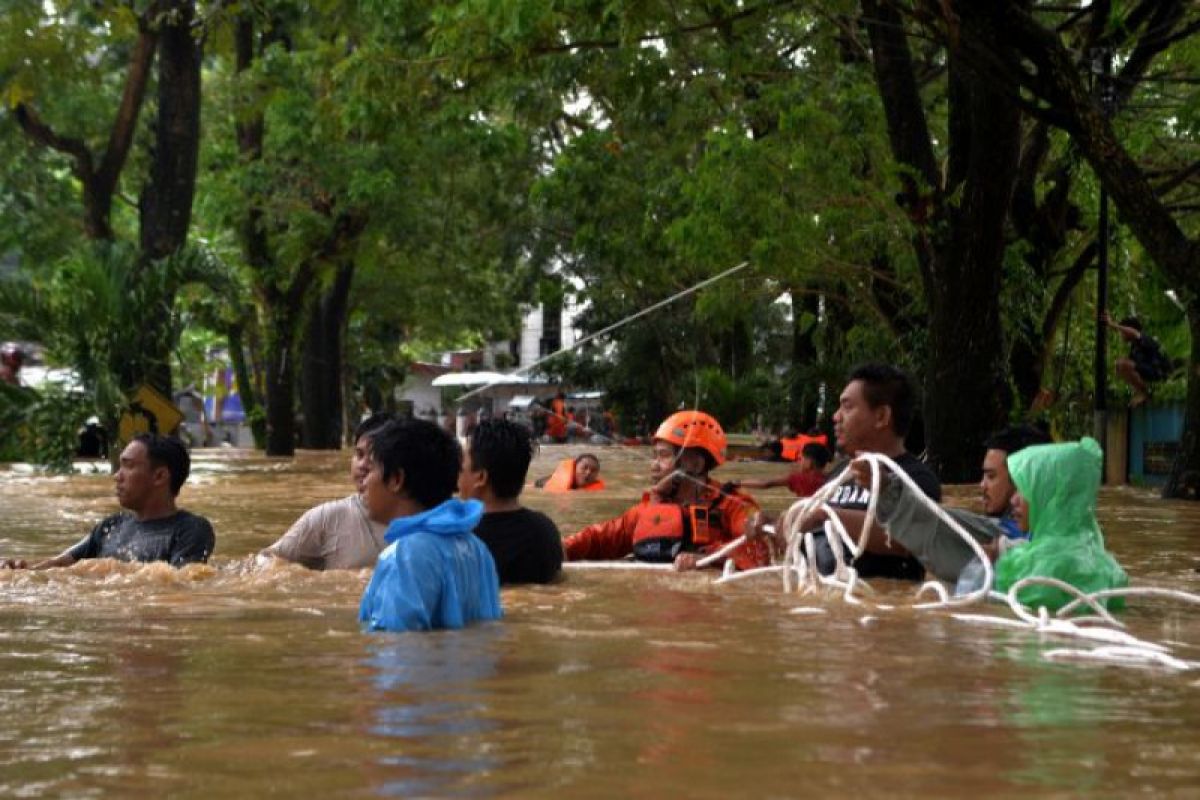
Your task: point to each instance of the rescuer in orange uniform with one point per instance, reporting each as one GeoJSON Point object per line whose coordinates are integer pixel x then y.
{"type": "Point", "coordinates": [686, 514]}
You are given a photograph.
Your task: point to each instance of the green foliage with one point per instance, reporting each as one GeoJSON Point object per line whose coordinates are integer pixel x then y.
{"type": "Point", "coordinates": [41, 427]}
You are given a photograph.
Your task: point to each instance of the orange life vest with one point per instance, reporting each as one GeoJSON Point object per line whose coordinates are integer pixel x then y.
{"type": "Point", "coordinates": [793, 448]}
{"type": "Point", "coordinates": [563, 479]}
{"type": "Point", "coordinates": [664, 530]}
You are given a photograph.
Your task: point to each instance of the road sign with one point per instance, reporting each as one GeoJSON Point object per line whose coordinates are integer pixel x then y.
{"type": "Point", "coordinates": [148, 412]}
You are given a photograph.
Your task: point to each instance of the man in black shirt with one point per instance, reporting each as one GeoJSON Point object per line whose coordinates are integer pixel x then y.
{"type": "Point", "coordinates": [1146, 365]}
{"type": "Point", "coordinates": [874, 413]}
{"type": "Point", "coordinates": [152, 470]}
{"type": "Point", "coordinates": [525, 544]}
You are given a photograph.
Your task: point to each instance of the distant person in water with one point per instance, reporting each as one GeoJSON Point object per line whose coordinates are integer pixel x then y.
{"type": "Point", "coordinates": [434, 572]}
{"type": "Point", "coordinates": [556, 419]}
{"type": "Point", "coordinates": [152, 470]}
{"type": "Point", "coordinates": [525, 544]}
{"type": "Point", "coordinates": [1146, 365]}
{"type": "Point", "coordinates": [686, 514]}
{"type": "Point", "coordinates": [803, 481]}
{"type": "Point", "coordinates": [338, 534]}
{"type": "Point", "coordinates": [579, 473]}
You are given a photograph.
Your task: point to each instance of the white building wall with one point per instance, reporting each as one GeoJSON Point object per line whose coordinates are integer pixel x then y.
{"type": "Point", "coordinates": [532, 327]}
{"type": "Point", "coordinates": [419, 389]}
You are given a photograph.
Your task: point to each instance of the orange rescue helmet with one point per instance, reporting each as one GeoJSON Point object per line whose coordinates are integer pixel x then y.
{"type": "Point", "coordinates": [694, 429]}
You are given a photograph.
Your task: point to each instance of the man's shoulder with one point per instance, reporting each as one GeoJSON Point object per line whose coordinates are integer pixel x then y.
{"type": "Point", "coordinates": [921, 473]}
{"type": "Point", "coordinates": [340, 507]}
{"type": "Point", "coordinates": [112, 522]}
{"type": "Point", "coordinates": [522, 519]}
{"type": "Point", "coordinates": [185, 517]}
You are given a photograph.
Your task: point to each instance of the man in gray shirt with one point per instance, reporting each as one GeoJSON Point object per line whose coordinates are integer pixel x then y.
{"type": "Point", "coordinates": [338, 534]}
{"type": "Point", "coordinates": [152, 470]}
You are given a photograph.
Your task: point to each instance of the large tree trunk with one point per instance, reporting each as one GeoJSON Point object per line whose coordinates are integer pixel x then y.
{"type": "Point", "coordinates": [967, 394]}
{"type": "Point", "coordinates": [321, 377]}
{"type": "Point", "coordinates": [166, 202]}
{"type": "Point", "coordinates": [958, 220]}
{"type": "Point", "coordinates": [281, 381]}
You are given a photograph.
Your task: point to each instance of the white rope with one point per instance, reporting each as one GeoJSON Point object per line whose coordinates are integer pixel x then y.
{"type": "Point", "coordinates": [1115, 646]}
{"type": "Point", "coordinates": [794, 518]}
{"type": "Point", "coordinates": [713, 558]}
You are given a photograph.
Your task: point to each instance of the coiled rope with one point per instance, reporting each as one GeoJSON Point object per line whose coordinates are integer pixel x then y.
{"type": "Point", "coordinates": [800, 574]}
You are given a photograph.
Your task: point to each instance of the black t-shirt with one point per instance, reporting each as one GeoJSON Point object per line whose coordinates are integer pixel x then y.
{"type": "Point", "coordinates": [182, 538]}
{"type": "Point", "coordinates": [856, 498]}
{"type": "Point", "coordinates": [1149, 359]}
{"type": "Point", "coordinates": [525, 545]}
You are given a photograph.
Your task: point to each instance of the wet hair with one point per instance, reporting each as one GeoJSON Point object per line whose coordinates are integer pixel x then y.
{"type": "Point", "coordinates": [169, 452]}
{"type": "Point", "coordinates": [1016, 437]}
{"type": "Point", "coordinates": [817, 453]}
{"type": "Point", "coordinates": [372, 423]}
{"type": "Point", "coordinates": [885, 385]}
{"type": "Point", "coordinates": [1132, 322]}
{"type": "Point", "coordinates": [428, 456]}
{"type": "Point", "coordinates": [504, 449]}
{"type": "Point", "coordinates": [592, 456]}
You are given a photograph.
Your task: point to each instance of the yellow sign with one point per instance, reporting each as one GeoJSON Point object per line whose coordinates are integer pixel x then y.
{"type": "Point", "coordinates": [148, 412]}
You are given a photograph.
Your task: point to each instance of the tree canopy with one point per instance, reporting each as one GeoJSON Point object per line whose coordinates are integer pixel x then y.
{"type": "Point", "coordinates": [349, 185]}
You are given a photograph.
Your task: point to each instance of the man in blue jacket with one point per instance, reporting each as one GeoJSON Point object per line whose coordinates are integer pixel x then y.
{"type": "Point", "coordinates": [434, 572]}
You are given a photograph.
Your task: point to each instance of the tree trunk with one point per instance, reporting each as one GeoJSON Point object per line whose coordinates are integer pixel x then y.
{"type": "Point", "coordinates": [281, 381]}
{"type": "Point", "coordinates": [967, 393]}
{"type": "Point", "coordinates": [245, 387]}
{"type": "Point", "coordinates": [321, 378]}
{"type": "Point", "coordinates": [166, 203]}
{"type": "Point", "coordinates": [958, 221]}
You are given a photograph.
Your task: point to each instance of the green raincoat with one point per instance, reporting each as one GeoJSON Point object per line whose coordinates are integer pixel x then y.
{"type": "Point", "coordinates": [1059, 483]}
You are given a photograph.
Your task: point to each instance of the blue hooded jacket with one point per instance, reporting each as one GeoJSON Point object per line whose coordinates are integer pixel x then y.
{"type": "Point", "coordinates": [434, 573]}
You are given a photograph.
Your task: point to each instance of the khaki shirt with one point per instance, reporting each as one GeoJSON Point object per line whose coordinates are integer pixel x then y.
{"type": "Point", "coordinates": [333, 535]}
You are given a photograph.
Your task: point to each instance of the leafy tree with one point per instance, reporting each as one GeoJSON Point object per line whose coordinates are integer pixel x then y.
{"type": "Point", "coordinates": [1031, 55]}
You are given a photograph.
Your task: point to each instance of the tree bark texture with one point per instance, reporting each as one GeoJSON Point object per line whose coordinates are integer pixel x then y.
{"type": "Point", "coordinates": [321, 375]}
{"type": "Point", "coordinates": [166, 202]}
{"type": "Point", "coordinates": [958, 221]}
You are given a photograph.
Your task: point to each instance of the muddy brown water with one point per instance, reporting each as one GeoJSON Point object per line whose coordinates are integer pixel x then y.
{"type": "Point", "coordinates": [235, 679]}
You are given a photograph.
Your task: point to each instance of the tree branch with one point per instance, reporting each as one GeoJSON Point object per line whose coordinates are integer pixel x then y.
{"type": "Point", "coordinates": [44, 135]}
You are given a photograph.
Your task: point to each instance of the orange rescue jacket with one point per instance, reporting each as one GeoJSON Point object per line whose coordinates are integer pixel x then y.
{"type": "Point", "coordinates": [563, 479]}
{"type": "Point", "coordinates": [656, 531]}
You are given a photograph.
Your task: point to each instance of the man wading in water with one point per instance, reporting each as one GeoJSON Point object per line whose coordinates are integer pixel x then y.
{"type": "Point", "coordinates": [338, 534]}
{"type": "Point", "coordinates": [874, 413]}
{"type": "Point", "coordinates": [153, 468]}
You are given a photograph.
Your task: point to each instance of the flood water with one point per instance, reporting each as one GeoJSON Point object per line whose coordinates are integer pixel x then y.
{"type": "Point", "coordinates": [237, 680]}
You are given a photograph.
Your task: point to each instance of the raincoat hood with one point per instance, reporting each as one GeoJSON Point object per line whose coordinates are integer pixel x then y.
{"type": "Point", "coordinates": [451, 518]}
{"type": "Point", "coordinates": [1059, 483]}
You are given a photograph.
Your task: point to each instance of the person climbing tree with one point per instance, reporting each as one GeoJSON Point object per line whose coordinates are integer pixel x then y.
{"type": "Point", "coordinates": [1146, 365]}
